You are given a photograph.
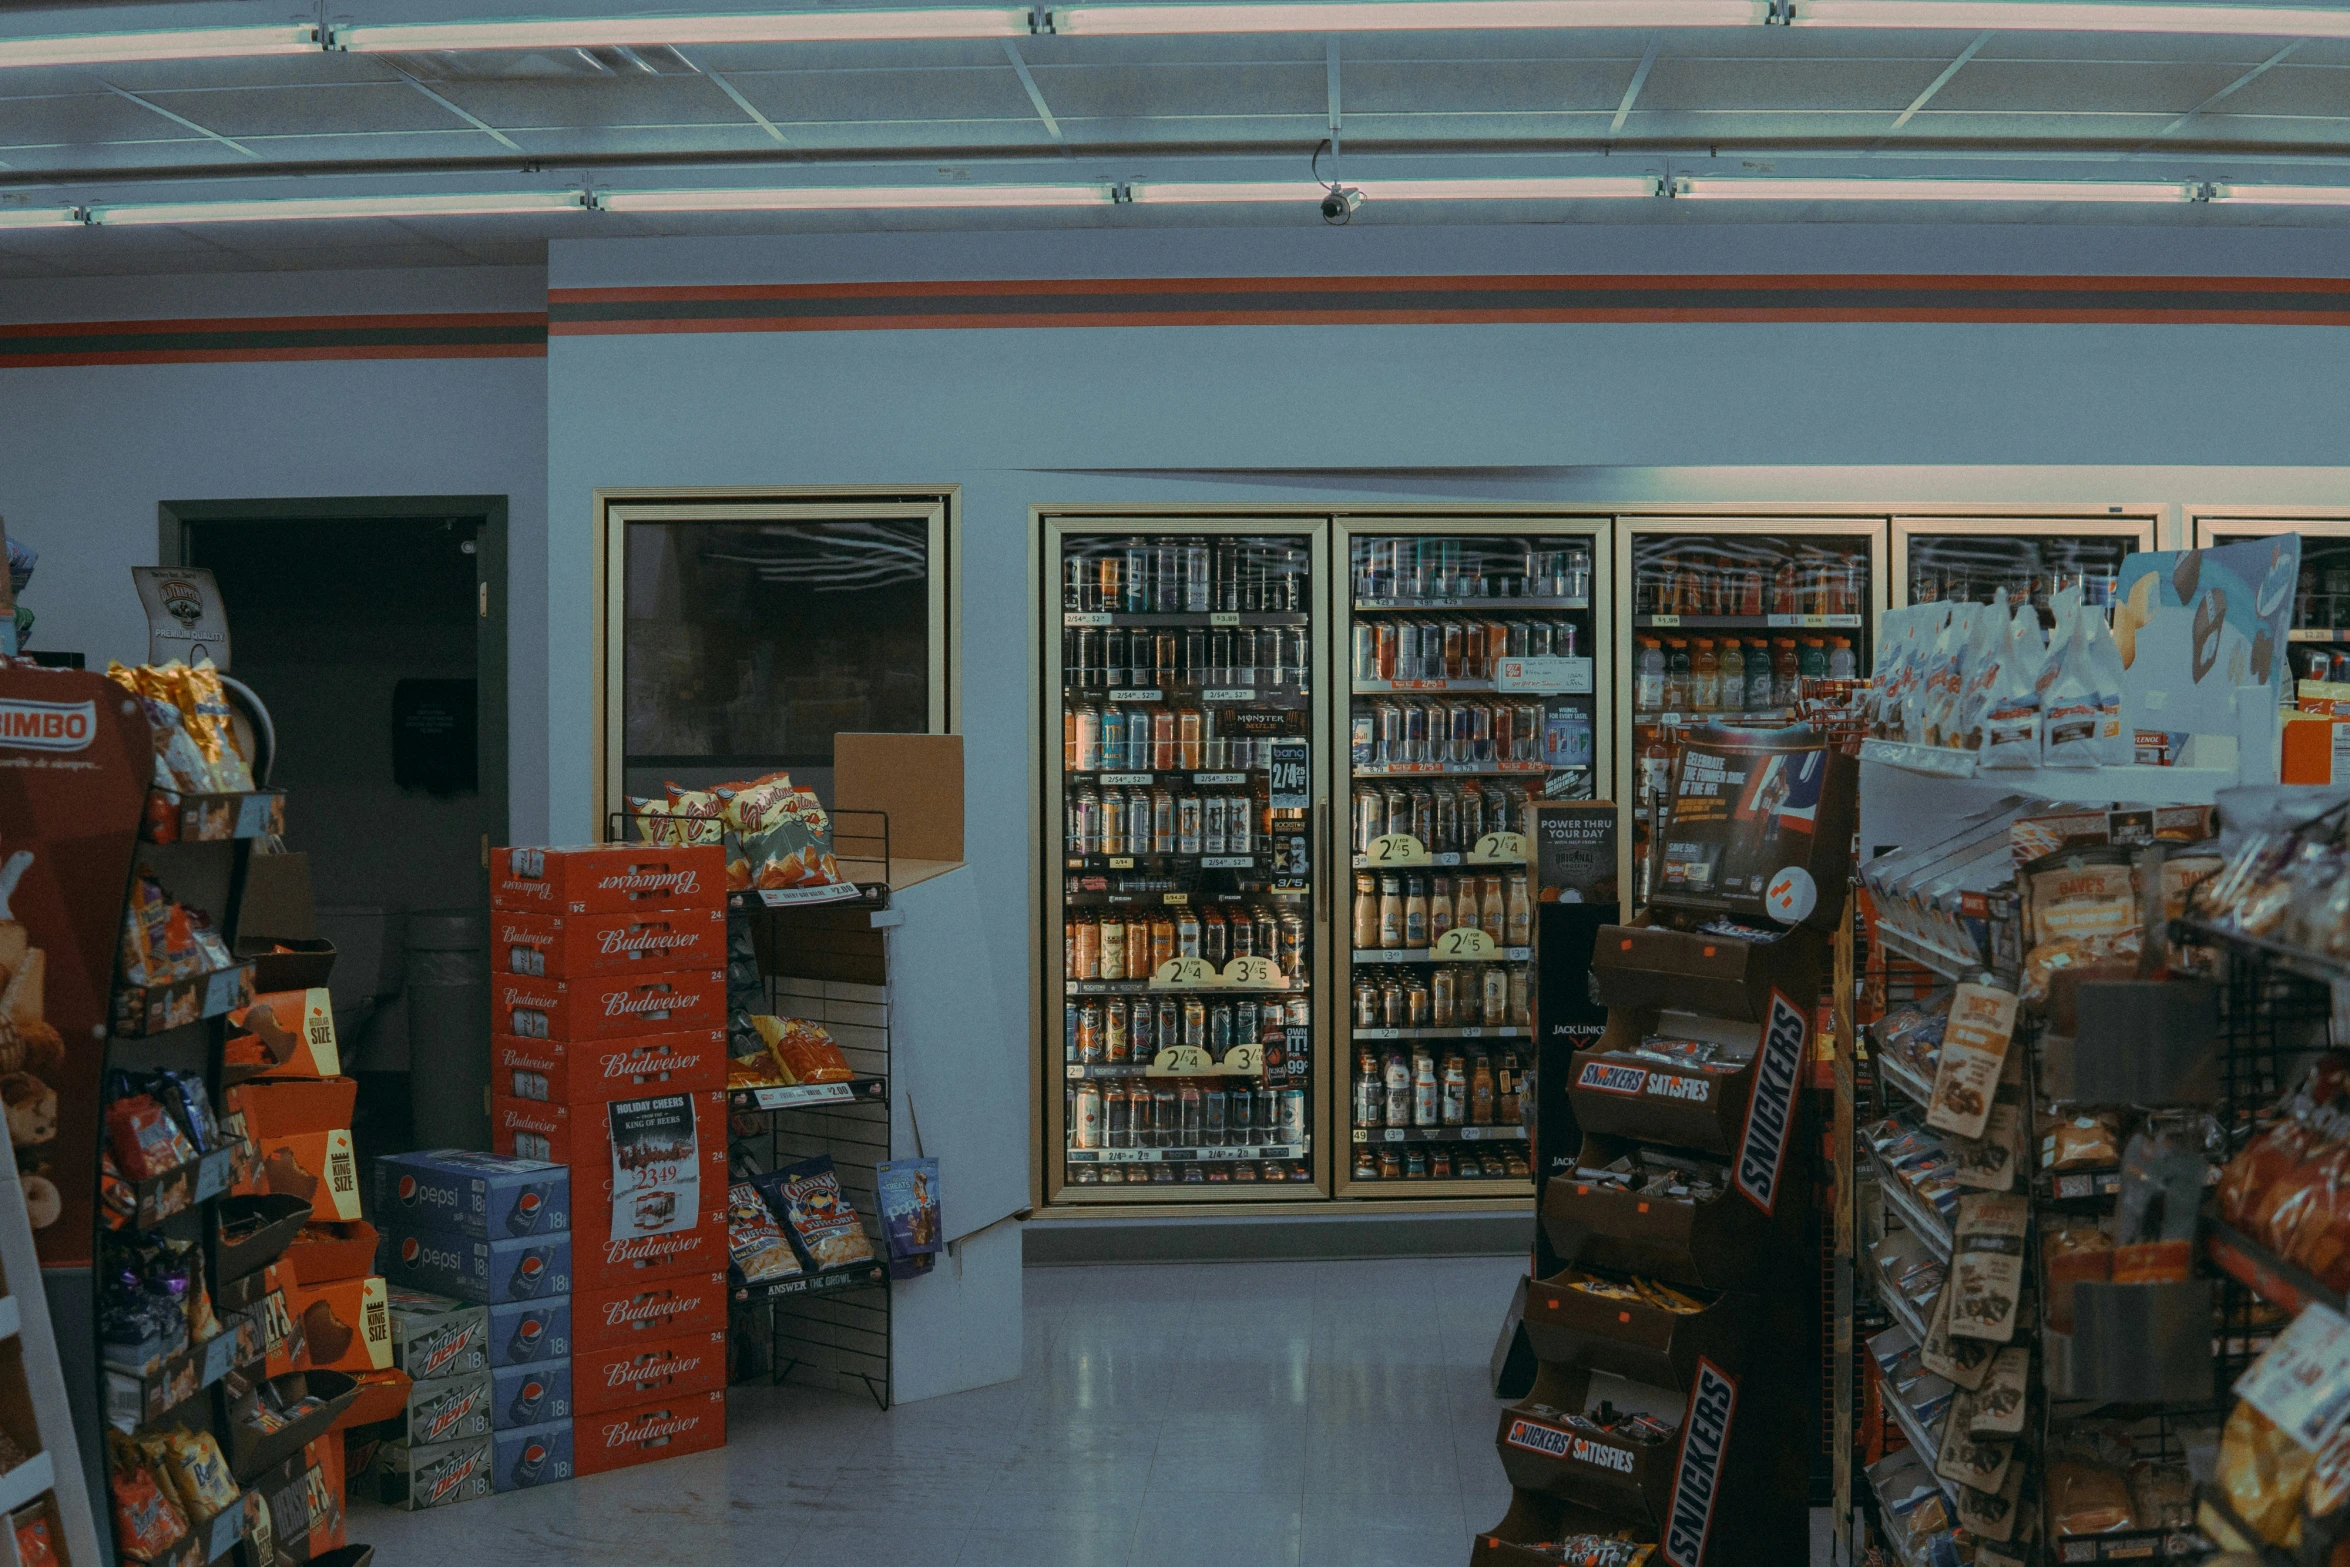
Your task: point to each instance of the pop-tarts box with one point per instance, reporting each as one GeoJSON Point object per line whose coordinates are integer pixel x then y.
{"type": "Point", "coordinates": [527, 1332]}
{"type": "Point", "coordinates": [484, 1195]}
{"type": "Point", "coordinates": [531, 1455]}
{"type": "Point", "coordinates": [440, 1262]}
{"type": "Point", "coordinates": [527, 1395]}
{"type": "Point", "coordinates": [433, 1336]}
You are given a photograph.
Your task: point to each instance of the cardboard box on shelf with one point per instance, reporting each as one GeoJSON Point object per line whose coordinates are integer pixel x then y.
{"type": "Point", "coordinates": [611, 1006]}
{"type": "Point", "coordinates": [447, 1409]}
{"type": "Point", "coordinates": [322, 1253]}
{"type": "Point", "coordinates": [532, 1455]}
{"type": "Point", "coordinates": [669, 1227]}
{"type": "Point", "coordinates": [630, 1373]}
{"type": "Point", "coordinates": [435, 1336]}
{"type": "Point", "coordinates": [613, 878]}
{"type": "Point", "coordinates": [465, 1267]}
{"type": "Point", "coordinates": [555, 1071]}
{"type": "Point", "coordinates": [346, 1325]}
{"type": "Point", "coordinates": [659, 1310]}
{"type": "Point", "coordinates": [286, 1107]}
{"type": "Point", "coordinates": [526, 1395]}
{"type": "Point", "coordinates": [285, 1034]}
{"type": "Point", "coordinates": [483, 1195]}
{"type": "Point", "coordinates": [528, 1332]}
{"type": "Point", "coordinates": [666, 1428]}
{"type": "Point", "coordinates": [579, 946]}
{"type": "Point", "coordinates": [419, 1477]}
{"type": "Point", "coordinates": [317, 1167]}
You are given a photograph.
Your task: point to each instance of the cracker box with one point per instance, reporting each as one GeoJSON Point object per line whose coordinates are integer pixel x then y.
{"type": "Point", "coordinates": [419, 1477]}
{"type": "Point", "coordinates": [346, 1325]}
{"type": "Point", "coordinates": [667, 1428]}
{"type": "Point", "coordinates": [582, 946]}
{"type": "Point", "coordinates": [442, 1262]}
{"type": "Point", "coordinates": [527, 1395]}
{"type": "Point", "coordinates": [556, 1072]}
{"type": "Point", "coordinates": [631, 1373]}
{"type": "Point", "coordinates": [652, 1312]}
{"type": "Point", "coordinates": [434, 1336]}
{"type": "Point", "coordinates": [285, 1033]}
{"type": "Point", "coordinates": [482, 1195]}
{"type": "Point", "coordinates": [611, 878]}
{"type": "Point", "coordinates": [446, 1409]}
{"type": "Point", "coordinates": [531, 1455]}
{"type": "Point", "coordinates": [317, 1167]}
{"type": "Point", "coordinates": [609, 1006]}
{"type": "Point", "coordinates": [530, 1332]}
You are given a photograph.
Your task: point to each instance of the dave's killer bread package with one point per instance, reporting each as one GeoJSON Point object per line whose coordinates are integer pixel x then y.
{"type": "Point", "coordinates": [1758, 826]}
{"type": "Point", "coordinates": [611, 1006]}
{"type": "Point", "coordinates": [650, 1313]}
{"type": "Point", "coordinates": [666, 1428]}
{"type": "Point", "coordinates": [527, 1395]}
{"type": "Point", "coordinates": [529, 1332]}
{"type": "Point", "coordinates": [616, 878]}
{"type": "Point", "coordinates": [556, 1072]}
{"type": "Point", "coordinates": [486, 1196]}
{"type": "Point", "coordinates": [630, 1373]}
{"type": "Point", "coordinates": [434, 1336]}
{"type": "Point", "coordinates": [649, 1176]}
{"type": "Point", "coordinates": [465, 1267]}
{"type": "Point", "coordinates": [586, 946]}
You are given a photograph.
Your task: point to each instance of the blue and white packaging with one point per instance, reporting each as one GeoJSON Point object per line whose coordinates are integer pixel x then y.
{"type": "Point", "coordinates": [527, 1332]}
{"type": "Point", "coordinates": [530, 1395]}
{"type": "Point", "coordinates": [484, 1195]}
{"type": "Point", "coordinates": [463, 1267]}
{"type": "Point", "coordinates": [531, 1455]}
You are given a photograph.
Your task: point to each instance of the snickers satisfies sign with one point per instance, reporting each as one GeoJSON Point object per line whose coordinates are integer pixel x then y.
{"type": "Point", "coordinates": [1770, 1112]}
{"type": "Point", "coordinates": [1697, 1478]}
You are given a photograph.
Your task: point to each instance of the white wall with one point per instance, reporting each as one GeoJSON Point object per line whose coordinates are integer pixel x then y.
{"type": "Point", "coordinates": [87, 452]}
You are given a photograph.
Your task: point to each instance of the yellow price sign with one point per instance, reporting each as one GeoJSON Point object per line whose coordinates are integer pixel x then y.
{"type": "Point", "coordinates": [1497, 848]}
{"type": "Point", "coordinates": [1183, 1058]}
{"type": "Point", "coordinates": [1466, 941]}
{"type": "Point", "coordinates": [1180, 972]}
{"type": "Point", "coordinates": [1397, 848]}
{"type": "Point", "coordinates": [1254, 972]}
{"type": "Point", "coordinates": [1245, 1058]}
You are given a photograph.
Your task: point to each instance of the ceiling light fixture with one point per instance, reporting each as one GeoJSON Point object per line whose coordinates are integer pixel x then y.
{"type": "Point", "coordinates": [1382, 16]}
{"type": "Point", "coordinates": [194, 43]}
{"type": "Point", "coordinates": [2077, 16]}
{"type": "Point", "coordinates": [858, 198]}
{"type": "Point", "coordinates": [1214, 192]}
{"type": "Point", "coordinates": [40, 217]}
{"type": "Point", "coordinates": [750, 27]}
{"type": "Point", "coordinates": [2282, 195]}
{"type": "Point", "coordinates": [291, 208]}
{"type": "Point", "coordinates": [1691, 188]}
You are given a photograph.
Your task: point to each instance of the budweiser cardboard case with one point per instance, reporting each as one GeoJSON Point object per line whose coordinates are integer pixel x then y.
{"type": "Point", "coordinates": [667, 1428]}
{"type": "Point", "coordinates": [586, 946]}
{"type": "Point", "coordinates": [556, 1072]}
{"type": "Point", "coordinates": [629, 1374]}
{"type": "Point", "coordinates": [615, 878]}
{"type": "Point", "coordinates": [648, 1314]}
{"type": "Point", "coordinates": [612, 1006]}
{"type": "Point", "coordinates": [656, 1210]}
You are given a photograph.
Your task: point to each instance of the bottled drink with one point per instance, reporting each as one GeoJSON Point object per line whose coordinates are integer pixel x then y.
{"type": "Point", "coordinates": [1811, 659]}
{"type": "Point", "coordinates": [1187, 824]}
{"type": "Point", "coordinates": [1730, 661]}
{"type": "Point", "coordinates": [1370, 1093]}
{"type": "Point", "coordinates": [1491, 916]}
{"type": "Point", "coordinates": [1415, 912]}
{"type": "Point", "coordinates": [1440, 912]}
{"type": "Point", "coordinates": [1443, 999]}
{"type": "Point", "coordinates": [1494, 983]}
{"type": "Point", "coordinates": [1398, 1076]}
{"type": "Point", "coordinates": [1705, 677]}
{"type": "Point", "coordinates": [1518, 913]}
{"type": "Point", "coordinates": [1506, 1108]}
{"type": "Point", "coordinates": [1426, 1091]}
{"type": "Point", "coordinates": [1841, 663]}
{"type": "Point", "coordinates": [1677, 675]}
{"type": "Point", "coordinates": [1456, 1090]}
{"type": "Point", "coordinates": [1391, 915]}
{"type": "Point", "coordinates": [1521, 996]}
{"type": "Point", "coordinates": [1481, 1091]}
{"type": "Point", "coordinates": [1758, 676]}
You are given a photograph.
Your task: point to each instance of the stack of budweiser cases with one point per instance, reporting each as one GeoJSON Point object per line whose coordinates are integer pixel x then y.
{"type": "Point", "coordinates": [608, 1056]}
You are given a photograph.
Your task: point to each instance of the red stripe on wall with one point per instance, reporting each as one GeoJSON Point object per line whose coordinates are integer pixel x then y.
{"type": "Point", "coordinates": [1449, 318]}
{"type": "Point", "coordinates": [222, 356]}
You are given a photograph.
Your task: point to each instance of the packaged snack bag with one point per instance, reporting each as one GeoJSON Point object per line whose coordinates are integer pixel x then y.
{"type": "Point", "coordinates": [755, 1242]}
{"type": "Point", "coordinates": [806, 1052]}
{"type": "Point", "coordinates": [817, 1214]}
{"type": "Point", "coordinates": [211, 722]}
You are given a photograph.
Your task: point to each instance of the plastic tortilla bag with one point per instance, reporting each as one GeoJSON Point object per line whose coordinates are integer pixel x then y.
{"type": "Point", "coordinates": [2011, 719]}
{"type": "Point", "coordinates": [2069, 704]}
{"type": "Point", "coordinates": [2115, 747]}
{"type": "Point", "coordinates": [1986, 657]}
{"type": "Point", "coordinates": [1946, 676]}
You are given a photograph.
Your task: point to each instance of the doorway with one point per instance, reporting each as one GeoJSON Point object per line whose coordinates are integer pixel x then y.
{"type": "Point", "coordinates": [375, 632]}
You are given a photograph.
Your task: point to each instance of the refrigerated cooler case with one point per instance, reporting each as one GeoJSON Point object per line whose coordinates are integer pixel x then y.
{"type": "Point", "coordinates": [1182, 914]}
{"type": "Point", "coordinates": [1942, 559]}
{"type": "Point", "coordinates": [1471, 646]}
{"type": "Point", "coordinates": [2320, 629]}
{"type": "Point", "coordinates": [1728, 616]}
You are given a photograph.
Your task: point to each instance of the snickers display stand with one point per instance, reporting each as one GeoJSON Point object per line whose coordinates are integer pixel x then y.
{"type": "Point", "coordinates": [1718, 1366]}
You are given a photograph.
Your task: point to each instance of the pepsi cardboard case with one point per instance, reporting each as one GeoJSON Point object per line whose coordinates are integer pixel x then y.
{"type": "Point", "coordinates": [528, 1395]}
{"type": "Point", "coordinates": [433, 1336]}
{"type": "Point", "coordinates": [444, 1263]}
{"type": "Point", "coordinates": [440, 1475]}
{"type": "Point", "coordinates": [531, 1455]}
{"type": "Point", "coordinates": [527, 1332]}
{"type": "Point", "coordinates": [486, 1196]}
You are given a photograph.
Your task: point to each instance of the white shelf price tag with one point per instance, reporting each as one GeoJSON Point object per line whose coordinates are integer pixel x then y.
{"type": "Point", "coordinates": [1499, 848]}
{"type": "Point", "coordinates": [1257, 973]}
{"type": "Point", "coordinates": [1184, 973]}
{"type": "Point", "coordinates": [1397, 848]}
{"type": "Point", "coordinates": [1183, 1058]}
{"type": "Point", "coordinates": [1465, 941]}
{"type": "Point", "coordinates": [1544, 676]}
{"type": "Point", "coordinates": [1249, 1059]}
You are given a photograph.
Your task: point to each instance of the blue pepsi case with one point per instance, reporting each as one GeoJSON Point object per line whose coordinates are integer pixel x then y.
{"type": "Point", "coordinates": [531, 1455]}
{"type": "Point", "coordinates": [528, 1332]}
{"type": "Point", "coordinates": [528, 1395]}
{"type": "Point", "coordinates": [486, 1196]}
{"type": "Point", "coordinates": [466, 1268]}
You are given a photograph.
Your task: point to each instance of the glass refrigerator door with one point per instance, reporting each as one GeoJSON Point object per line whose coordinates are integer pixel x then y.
{"type": "Point", "coordinates": [1470, 650]}
{"type": "Point", "coordinates": [1180, 675]}
{"type": "Point", "coordinates": [1728, 615]}
{"type": "Point", "coordinates": [1946, 558]}
{"type": "Point", "coordinates": [2320, 631]}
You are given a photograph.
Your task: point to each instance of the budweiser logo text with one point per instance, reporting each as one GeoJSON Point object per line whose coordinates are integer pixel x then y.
{"type": "Point", "coordinates": [643, 938]}
{"type": "Point", "coordinates": [652, 1003]}
{"type": "Point", "coordinates": [647, 1308]}
{"type": "Point", "coordinates": [651, 1248]}
{"type": "Point", "coordinates": [626, 1064]}
{"type": "Point", "coordinates": [660, 1423]}
{"type": "Point", "coordinates": [650, 881]}
{"type": "Point", "coordinates": [649, 1369]}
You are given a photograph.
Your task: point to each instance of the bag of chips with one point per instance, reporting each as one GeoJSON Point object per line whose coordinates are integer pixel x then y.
{"type": "Point", "coordinates": [755, 1242]}
{"type": "Point", "coordinates": [144, 1139]}
{"type": "Point", "coordinates": [211, 723]}
{"type": "Point", "coordinates": [36, 1537]}
{"type": "Point", "coordinates": [199, 1473]}
{"type": "Point", "coordinates": [806, 1052]}
{"type": "Point", "coordinates": [147, 1522]}
{"type": "Point", "coordinates": [2262, 1471]}
{"type": "Point", "coordinates": [817, 1214]}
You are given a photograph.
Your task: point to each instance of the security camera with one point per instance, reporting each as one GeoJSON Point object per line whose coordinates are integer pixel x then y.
{"type": "Point", "coordinates": [1339, 203]}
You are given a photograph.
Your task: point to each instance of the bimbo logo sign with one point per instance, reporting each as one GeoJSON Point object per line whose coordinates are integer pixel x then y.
{"type": "Point", "coordinates": [1703, 1440]}
{"type": "Point", "coordinates": [1770, 1113]}
{"type": "Point", "coordinates": [47, 726]}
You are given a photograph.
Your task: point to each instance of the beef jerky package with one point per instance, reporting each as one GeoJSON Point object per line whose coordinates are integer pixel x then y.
{"type": "Point", "coordinates": [1987, 1268]}
{"type": "Point", "coordinates": [1758, 826]}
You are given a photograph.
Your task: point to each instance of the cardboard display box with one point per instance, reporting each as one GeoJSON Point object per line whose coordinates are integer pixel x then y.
{"type": "Point", "coordinates": [434, 1336]}
{"type": "Point", "coordinates": [630, 1373]}
{"type": "Point", "coordinates": [532, 1455]}
{"type": "Point", "coordinates": [582, 946]}
{"type": "Point", "coordinates": [581, 1135]}
{"type": "Point", "coordinates": [448, 1409]}
{"type": "Point", "coordinates": [610, 1006]}
{"type": "Point", "coordinates": [527, 1332]}
{"type": "Point", "coordinates": [554, 1071]}
{"type": "Point", "coordinates": [668, 1428]}
{"type": "Point", "coordinates": [482, 1195]}
{"type": "Point", "coordinates": [615, 878]}
{"type": "Point", "coordinates": [419, 1477]}
{"type": "Point", "coordinates": [529, 1395]}
{"type": "Point", "coordinates": [442, 1262]}
{"type": "Point", "coordinates": [651, 1313]}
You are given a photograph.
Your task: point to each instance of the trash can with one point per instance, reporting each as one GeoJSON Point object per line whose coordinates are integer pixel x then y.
{"type": "Point", "coordinates": [449, 1027]}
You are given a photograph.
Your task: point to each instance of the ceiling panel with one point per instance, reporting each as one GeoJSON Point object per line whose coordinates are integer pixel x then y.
{"type": "Point", "coordinates": [1189, 90]}
{"type": "Point", "coordinates": [1881, 86]}
{"type": "Point", "coordinates": [576, 103]}
{"type": "Point", "coordinates": [2082, 87]}
{"type": "Point", "coordinates": [83, 119]}
{"type": "Point", "coordinates": [294, 111]}
{"type": "Point", "coordinates": [953, 93]}
{"type": "Point", "coordinates": [1483, 86]}
{"type": "Point", "coordinates": [2293, 89]}
{"type": "Point", "coordinates": [1986, 126]}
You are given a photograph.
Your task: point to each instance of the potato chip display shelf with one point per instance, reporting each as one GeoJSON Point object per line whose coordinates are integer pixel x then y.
{"type": "Point", "coordinates": [860, 847]}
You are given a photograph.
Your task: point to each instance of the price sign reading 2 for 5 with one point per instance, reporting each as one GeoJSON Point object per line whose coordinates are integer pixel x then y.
{"type": "Point", "coordinates": [1465, 941]}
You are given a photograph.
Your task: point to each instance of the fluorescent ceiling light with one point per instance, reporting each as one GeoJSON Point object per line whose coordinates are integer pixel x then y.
{"type": "Point", "coordinates": [289, 208]}
{"type": "Point", "coordinates": [1592, 188]}
{"type": "Point", "coordinates": [1378, 16]}
{"type": "Point", "coordinates": [853, 198]}
{"type": "Point", "coordinates": [1706, 189]}
{"type": "Point", "coordinates": [2078, 16]}
{"type": "Point", "coordinates": [2283, 195]}
{"type": "Point", "coordinates": [753, 27]}
{"type": "Point", "coordinates": [198, 43]}
{"type": "Point", "coordinates": [40, 218]}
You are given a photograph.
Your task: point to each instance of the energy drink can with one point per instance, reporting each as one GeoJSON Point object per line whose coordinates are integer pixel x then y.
{"type": "Point", "coordinates": [1268, 1116]}
{"type": "Point", "coordinates": [1293, 1117]}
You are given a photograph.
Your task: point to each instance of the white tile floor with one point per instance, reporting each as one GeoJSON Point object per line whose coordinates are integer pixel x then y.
{"type": "Point", "coordinates": [1309, 1414]}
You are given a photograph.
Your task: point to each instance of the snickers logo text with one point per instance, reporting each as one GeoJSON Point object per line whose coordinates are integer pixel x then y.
{"type": "Point", "coordinates": [1770, 1112]}
{"type": "Point", "coordinates": [1712, 1402]}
